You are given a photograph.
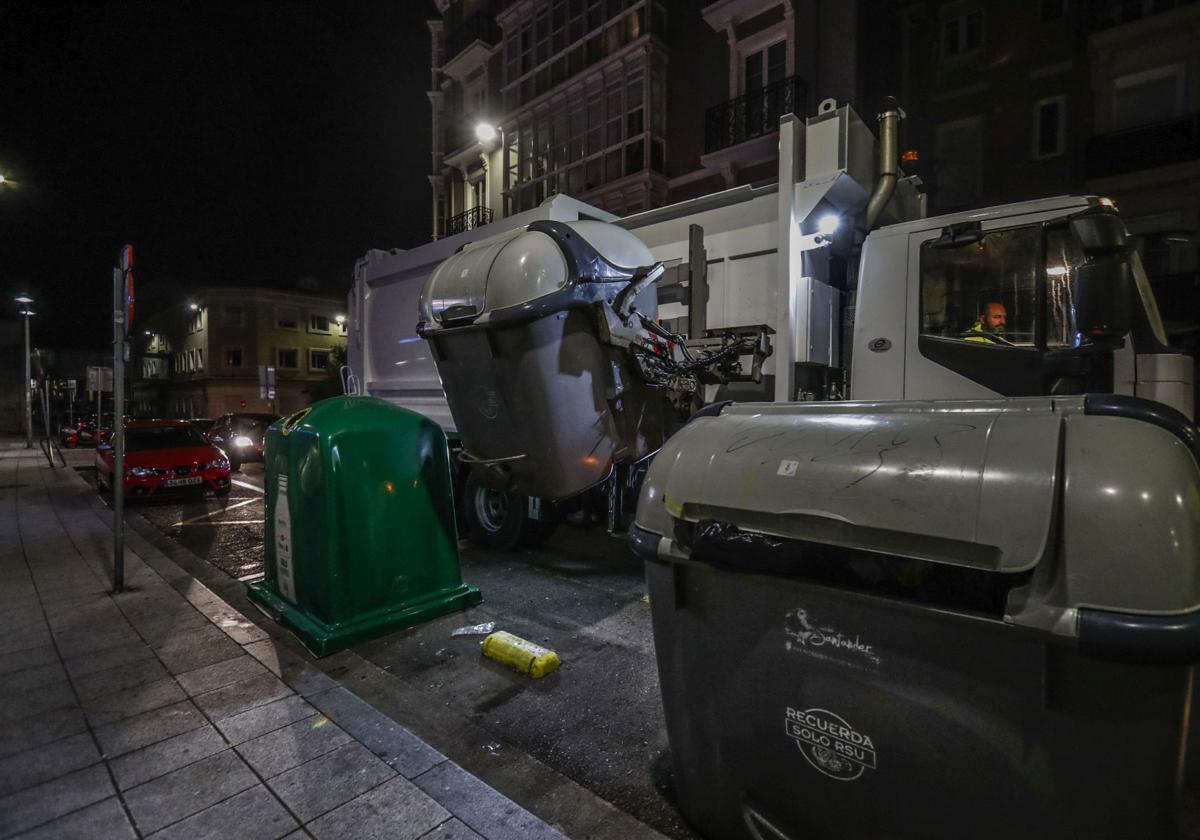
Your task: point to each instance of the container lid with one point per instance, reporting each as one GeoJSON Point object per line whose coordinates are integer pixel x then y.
{"type": "Point", "coordinates": [969, 484]}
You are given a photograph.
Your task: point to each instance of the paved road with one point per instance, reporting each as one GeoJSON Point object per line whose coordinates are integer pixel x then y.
{"type": "Point", "coordinates": [597, 721]}
{"type": "Point", "coordinates": [227, 532]}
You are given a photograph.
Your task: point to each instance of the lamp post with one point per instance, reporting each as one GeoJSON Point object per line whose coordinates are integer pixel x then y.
{"type": "Point", "coordinates": [26, 301]}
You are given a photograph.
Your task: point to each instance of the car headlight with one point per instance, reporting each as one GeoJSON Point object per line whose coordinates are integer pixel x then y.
{"type": "Point", "coordinates": [139, 472]}
{"type": "Point", "coordinates": [218, 464]}
{"type": "Point", "coordinates": [242, 440]}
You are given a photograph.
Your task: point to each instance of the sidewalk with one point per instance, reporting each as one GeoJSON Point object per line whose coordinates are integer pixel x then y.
{"type": "Point", "coordinates": [163, 712]}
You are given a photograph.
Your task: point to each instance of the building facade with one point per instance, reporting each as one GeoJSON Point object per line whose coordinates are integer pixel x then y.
{"type": "Point", "coordinates": [1144, 151]}
{"type": "Point", "coordinates": [203, 357]}
{"type": "Point", "coordinates": [623, 104]}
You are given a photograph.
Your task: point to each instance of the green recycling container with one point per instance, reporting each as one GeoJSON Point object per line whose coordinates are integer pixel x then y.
{"type": "Point", "coordinates": [360, 533]}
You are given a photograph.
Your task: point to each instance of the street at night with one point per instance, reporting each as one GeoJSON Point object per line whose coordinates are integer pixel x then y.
{"type": "Point", "coordinates": [600, 420]}
{"type": "Point", "coordinates": [598, 721]}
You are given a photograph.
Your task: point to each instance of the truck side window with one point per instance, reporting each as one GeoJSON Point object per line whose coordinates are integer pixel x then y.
{"type": "Point", "coordinates": [998, 274]}
{"type": "Point", "coordinates": [1063, 256]}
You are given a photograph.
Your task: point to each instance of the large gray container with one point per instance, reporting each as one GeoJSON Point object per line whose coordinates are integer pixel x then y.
{"type": "Point", "coordinates": [938, 620]}
{"type": "Point", "coordinates": [542, 395]}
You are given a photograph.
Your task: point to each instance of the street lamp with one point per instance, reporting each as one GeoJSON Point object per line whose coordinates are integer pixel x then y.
{"type": "Point", "coordinates": [485, 132]}
{"type": "Point", "coordinates": [26, 301]}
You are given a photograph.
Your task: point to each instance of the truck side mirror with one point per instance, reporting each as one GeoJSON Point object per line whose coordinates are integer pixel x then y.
{"type": "Point", "coordinates": [1105, 290]}
{"type": "Point", "coordinates": [1100, 233]}
{"type": "Point", "coordinates": [1104, 296]}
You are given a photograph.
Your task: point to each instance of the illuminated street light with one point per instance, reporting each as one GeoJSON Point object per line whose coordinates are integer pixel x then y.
{"type": "Point", "coordinates": [485, 132]}
{"type": "Point", "coordinates": [339, 319]}
{"type": "Point", "coordinates": [193, 306]}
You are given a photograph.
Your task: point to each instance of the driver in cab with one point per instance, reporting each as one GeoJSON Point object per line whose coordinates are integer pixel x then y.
{"type": "Point", "coordinates": [989, 328]}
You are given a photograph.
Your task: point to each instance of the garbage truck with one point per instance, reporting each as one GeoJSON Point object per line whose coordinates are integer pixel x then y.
{"type": "Point", "coordinates": [562, 351]}
{"type": "Point", "coordinates": [919, 498]}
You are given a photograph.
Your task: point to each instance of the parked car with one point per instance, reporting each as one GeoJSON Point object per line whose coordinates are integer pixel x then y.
{"type": "Point", "coordinates": [241, 436]}
{"type": "Point", "coordinates": [202, 423]}
{"type": "Point", "coordinates": [165, 456]}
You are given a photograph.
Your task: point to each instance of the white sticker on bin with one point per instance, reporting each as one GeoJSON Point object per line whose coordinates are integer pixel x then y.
{"type": "Point", "coordinates": [830, 744]}
{"type": "Point", "coordinates": [787, 468]}
{"type": "Point", "coordinates": [283, 543]}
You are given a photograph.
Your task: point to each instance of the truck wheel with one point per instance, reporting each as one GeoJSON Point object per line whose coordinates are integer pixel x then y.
{"type": "Point", "coordinates": [495, 518]}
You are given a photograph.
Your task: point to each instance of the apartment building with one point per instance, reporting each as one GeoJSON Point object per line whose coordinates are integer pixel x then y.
{"type": "Point", "coordinates": [202, 358]}
{"type": "Point", "coordinates": [623, 104]}
{"type": "Point", "coordinates": [1145, 146]}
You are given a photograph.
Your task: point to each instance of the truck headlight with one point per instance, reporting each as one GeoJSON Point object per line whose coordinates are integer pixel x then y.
{"type": "Point", "coordinates": [242, 440]}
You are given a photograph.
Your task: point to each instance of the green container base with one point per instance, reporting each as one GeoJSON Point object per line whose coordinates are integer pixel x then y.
{"type": "Point", "coordinates": [323, 639]}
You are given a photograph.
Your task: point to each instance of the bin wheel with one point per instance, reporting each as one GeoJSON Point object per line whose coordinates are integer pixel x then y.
{"type": "Point", "coordinates": [494, 518]}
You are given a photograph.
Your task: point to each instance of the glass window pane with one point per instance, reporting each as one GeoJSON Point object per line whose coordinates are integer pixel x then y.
{"type": "Point", "coordinates": [754, 71]}
{"type": "Point", "coordinates": [983, 292]}
{"type": "Point", "coordinates": [776, 62]}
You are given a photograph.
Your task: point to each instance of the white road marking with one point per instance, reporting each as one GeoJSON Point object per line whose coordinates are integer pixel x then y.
{"type": "Point", "coordinates": [247, 485]}
{"type": "Point", "coordinates": [226, 522]}
{"type": "Point", "coordinates": [212, 513]}
{"type": "Point", "coordinates": [257, 576]}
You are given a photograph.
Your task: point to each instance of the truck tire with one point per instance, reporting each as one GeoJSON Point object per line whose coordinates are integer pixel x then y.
{"type": "Point", "coordinates": [495, 519]}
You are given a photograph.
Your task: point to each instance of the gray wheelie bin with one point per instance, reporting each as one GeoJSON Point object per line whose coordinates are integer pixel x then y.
{"type": "Point", "coordinates": [938, 620]}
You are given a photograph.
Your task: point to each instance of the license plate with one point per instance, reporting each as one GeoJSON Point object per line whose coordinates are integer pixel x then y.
{"type": "Point", "coordinates": [183, 482]}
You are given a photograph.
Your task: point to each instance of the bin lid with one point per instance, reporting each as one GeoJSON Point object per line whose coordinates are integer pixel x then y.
{"type": "Point", "coordinates": [532, 271]}
{"type": "Point", "coordinates": [969, 484]}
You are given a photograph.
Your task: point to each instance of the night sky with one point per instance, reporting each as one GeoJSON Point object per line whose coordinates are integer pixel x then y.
{"type": "Point", "coordinates": [249, 143]}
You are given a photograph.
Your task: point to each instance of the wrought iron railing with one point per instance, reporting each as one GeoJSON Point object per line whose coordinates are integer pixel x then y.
{"type": "Point", "coordinates": [753, 115]}
{"type": "Point", "coordinates": [468, 220]}
{"type": "Point", "coordinates": [1145, 147]}
{"type": "Point", "coordinates": [480, 26]}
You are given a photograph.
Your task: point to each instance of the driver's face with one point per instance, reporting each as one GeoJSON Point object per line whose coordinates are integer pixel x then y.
{"type": "Point", "coordinates": [996, 318]}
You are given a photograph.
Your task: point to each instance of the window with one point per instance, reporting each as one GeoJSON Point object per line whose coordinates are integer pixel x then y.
{"type": "Point", "coordinates": [318, 323]}
{"type": "Point", "coordinates": [962, 286]}
{"type": "Point", "coordinates": [233, 315]}
{"type": "Point", "coordinates": [1049, 126]}
{"type": "Point", "coordinates": [958, 164]}
{"type": "Point", "coordinates": [233, 357]}
{"type": "Point", "coordinates": [287, 317]}
{"type": "Point", "coordinates": [966, 289]}
{"type": "Point", "coordinates": [288, 358]}
{"type": "Point", "coordinates": [318, 359]}
{"type": "Point", "coordinates": [765, 67]}
{"type": "Point", "coordinates": [1149, 97]}
{"type": "Point", "coordinates": [962, 34]}
{"type": "Point", "coordinates": [199, 351]}
{"type": "Point", "coordinates": [196, 321]}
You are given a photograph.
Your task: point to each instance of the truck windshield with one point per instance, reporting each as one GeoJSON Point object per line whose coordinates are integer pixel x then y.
{"type": "Point", "coordinates": [984, 292]}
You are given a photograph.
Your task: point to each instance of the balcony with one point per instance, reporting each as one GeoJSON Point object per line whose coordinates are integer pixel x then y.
{"type": "Point", "coordinates": [469, 45]}
{"type": "Point", "coordinates": [469, 220]}
{"type": "Point", "coordinates": [755, 114]}
{"type": "Point", "coordinates": [1145, 147]}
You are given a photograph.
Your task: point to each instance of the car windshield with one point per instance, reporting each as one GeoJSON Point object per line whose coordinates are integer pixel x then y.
{"type": "Point", "coordinates": [247, 425]}
{"type": "Point", "coordinates": [162, 437]}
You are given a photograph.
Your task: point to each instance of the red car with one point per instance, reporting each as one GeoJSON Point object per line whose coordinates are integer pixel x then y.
{"type": "Point", "coordinates": [165, 456]}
